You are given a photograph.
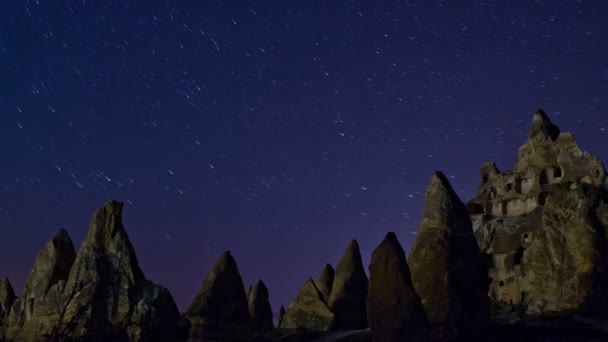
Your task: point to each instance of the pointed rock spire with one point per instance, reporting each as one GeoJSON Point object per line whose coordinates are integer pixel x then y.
{"type": "Point", "coordinates": [53, 263]}
{"type": "Point", "coordinates": [106, 276]}
{"type": "Point", "coordinates": [308, 311]}
{"type": "Point", "coordinates": [259, 307]}
{"type": "Point", "coordinates": [448, 272]}
{"type": "Point", "coordinates": [7, 297]}
{"type": "Point", "coordinates": [541, 124]}
{"type": "Point", "coordinates": [394, 310]}
{"type": "Point", "coordinates": [220, 309]}
{"type": "Point", "coordinates": [349, 290]}
{"type": "Point", "coordinates": [325, 281]}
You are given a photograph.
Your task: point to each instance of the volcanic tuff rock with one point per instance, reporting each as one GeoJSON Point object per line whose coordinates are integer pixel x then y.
{"type": "Point", "coordinates": [7, 297]}
{"type": "Point", "coordinates": [259, 307]}
{"type": "Point", "coordinates": [100, 292]}
{"type": "Point", "coordinates": [308, 311]}
{"type": "Point", "coordinates": [349, 290]}
{"type": "Point", "coordinates": [220, 309]}
{"type": "Point", "coordinates": [394, 310]}
{"type": "Point", "coordinates": [38, 308]}
{"type": "Point", "coordinates": [542, 227]}
{"type": "Point", "coordinates": [325, 281]}
{"type": "Point", "coordinates": [448, 272]}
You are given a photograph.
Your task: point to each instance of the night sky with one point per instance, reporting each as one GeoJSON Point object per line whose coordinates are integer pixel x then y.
{"type": "Point", "coordinates": [276, 129]}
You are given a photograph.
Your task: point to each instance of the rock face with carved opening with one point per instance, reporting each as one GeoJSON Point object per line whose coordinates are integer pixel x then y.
{"type": "Point", "coordinates": [394, 310]}
{"type": "Point", "coordinates": [541, 227]}
{"type": "Point", "coordinates": [220, 309]}
{"type": "Point", "coordinates": [98, 293]}
{"type": "Point", "coordinates": [349, 290]}
{"type": "Point", "coordinates": [448, 272]}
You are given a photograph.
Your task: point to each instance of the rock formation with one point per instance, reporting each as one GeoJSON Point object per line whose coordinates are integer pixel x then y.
{"type": "Point", "coordinates": [99, 292]}
{"type": "Point", "coordinates": [259, 308]}
{"type": "Point", "coordinates": [325, 281]}
{"type": "Point", "coordinates": [281, 315]}
{"type": "Point", "coordinates": [349, 290]}
{"type": "Point", "coordinates": [7, 298]}
{"type": "Point", "coordinates": [308, 311]}
{"type": "Point", "coordinates": [39, 307]}
{"type": "Point", "coordinates": [220, 309]}
{"type": "Point", "coordinates": [447, 269]}
{"type": "Point", "coordinates": [394, 310]}
{"type": "Point", "coordinates": [542, 227]}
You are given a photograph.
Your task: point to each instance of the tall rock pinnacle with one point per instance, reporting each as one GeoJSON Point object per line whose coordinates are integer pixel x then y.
{"type": "Point", "coordinates": [259, 307]}
{"type": "Point", "coordinates": [393, 308]}
{"type": "Point", "coordinates": [349, 290]}
{"type": "Point", "coordinates": [220, 309]}
{"type": "Point", "coordinates": [447, 268]}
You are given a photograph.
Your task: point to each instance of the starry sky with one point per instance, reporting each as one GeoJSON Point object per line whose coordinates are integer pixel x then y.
{"type": "Point", "coordinates": [276, 129]}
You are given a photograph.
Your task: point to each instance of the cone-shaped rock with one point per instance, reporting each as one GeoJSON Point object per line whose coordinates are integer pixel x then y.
{"type": "Point", "coordinates": [394, 310]}
{"type": "Point", "coordinates": [349, 290]}
{"type": "Point", "coordinates": [308, 311]}
{"type": "Point", "coordinates": [325, 281]}
{"type": "Point", "coordinates": [259, 307]}
{"type": "Point", "coordinates": [220, 309]}
{"type": "Point", "coordinates": [448, 272]}
{"type": "Point", "coordinates": [36, 308]}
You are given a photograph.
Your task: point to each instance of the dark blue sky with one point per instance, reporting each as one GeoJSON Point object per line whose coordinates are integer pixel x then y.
{"type": "Point", "coordinates": [276, 129]}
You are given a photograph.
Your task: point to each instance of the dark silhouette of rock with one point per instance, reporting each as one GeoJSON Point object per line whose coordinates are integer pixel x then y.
{"type": "Point", "coordinates": [447, 269]}
{"type": "Point", "coordinates": [542, 229]}
{"type": "Point", "coordinates": [326, 281]}
{"type": "Point", "coordinates": [349, 290]}
{"type": "Point", "coordinates": [99, 293]}
{"type": "Point", "coordinates": [281, 315]}
{"type": "Point", "coordinates": [308, 311]}
{"type": "Point", "coordinates": [220, 309]}
{"type": "Point", "coordinates": [259, 307]}
{"type": "Point", "coordinates": [7, 298]}
{"type": "Point", "coordinates": [394, 310]}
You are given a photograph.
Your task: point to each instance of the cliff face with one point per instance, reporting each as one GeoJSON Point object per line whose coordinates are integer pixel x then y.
{"type": "Point", "coordinates": [542, 227]}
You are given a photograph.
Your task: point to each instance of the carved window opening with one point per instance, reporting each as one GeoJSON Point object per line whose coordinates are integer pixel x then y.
{"type": "Point", "coordinates": [509, 187]}
{"type": "Point", "coordinates": [542, 198]}
{"type": "Point", "coordinates": [543, 179]}
{"type": "Point", "coordinates": [501, 283]}
{"type": "Point", "coordinates": [492, 193]}
{"type": "Point", "coordinates": [519, 254]}
{"type": "Point", "coordinates": [504, 208]}
{"type": "Point", "coordinates": [597, 173]}
{"type": "Point", "coordinates": [518, 182]}
{"type": "Point", "coordinates": [557, 172]}
{"type": "Point", "coordinates": [485, 179]}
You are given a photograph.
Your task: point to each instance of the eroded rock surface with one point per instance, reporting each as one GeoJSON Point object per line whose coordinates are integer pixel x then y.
{"type": "Point", "coordinates": [326, 281]}
{"type": "Point", "coordinates": [98, 293]}
{"type": "Point", "coordinates": [308, 310]}
{"type": "Point", "coordinates": [220, 309]}
{"type": "Point", "coordinates": [348, 296]}
{"type": "Point", "coordinates": [394, 310]}
{"type": "Point", "coordinates": [447, 269]}
{"type": "Point", "coordinates": [542, 227]}
{"type": "Point", "coordinates": [259, 307]}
